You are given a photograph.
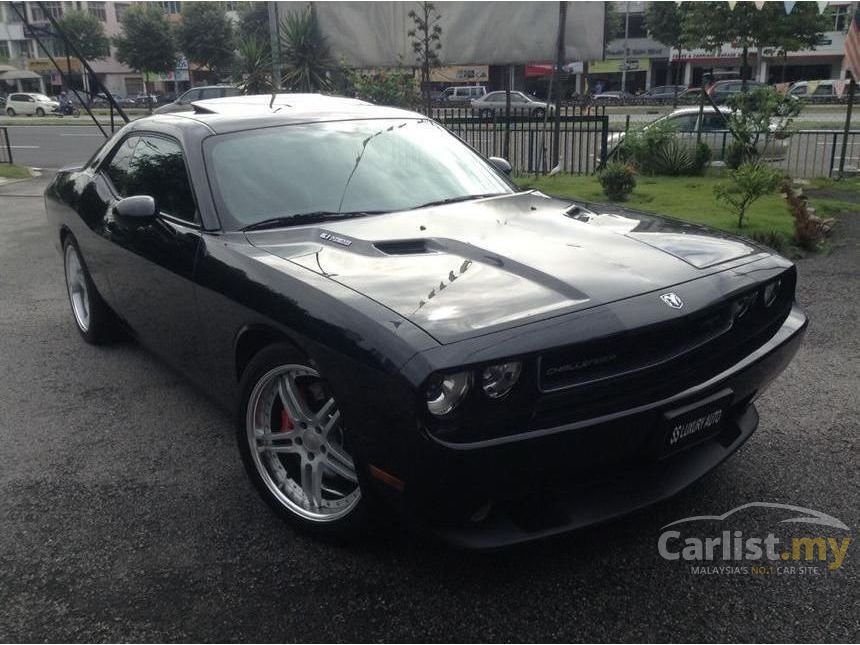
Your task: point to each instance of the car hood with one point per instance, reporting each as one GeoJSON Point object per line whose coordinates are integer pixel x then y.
{"type": "Point", "coordinates": [470, 268]}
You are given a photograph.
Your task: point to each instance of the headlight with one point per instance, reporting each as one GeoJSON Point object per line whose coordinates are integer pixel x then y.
{"type": "Point", "coordinates": [742, 305]}
{"type": "Point", "coordinates": [445, 391]}
{"type": "Point", "coordinates": [498, 380]}
{"type": "Point", "coordinates": [771, 291]}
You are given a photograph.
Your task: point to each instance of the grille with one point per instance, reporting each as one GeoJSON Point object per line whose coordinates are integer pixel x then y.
{"type": "Point", "coordinates": [624, 371]}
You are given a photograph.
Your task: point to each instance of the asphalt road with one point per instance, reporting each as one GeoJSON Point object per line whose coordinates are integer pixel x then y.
{"type": "Point", "coordinates": [125, 514]}
{"type": "Point", "coordinates": [53, 146]}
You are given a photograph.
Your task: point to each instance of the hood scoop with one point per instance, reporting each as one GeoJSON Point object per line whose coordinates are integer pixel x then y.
{"type": "Point", "coordinates": [407, 247]}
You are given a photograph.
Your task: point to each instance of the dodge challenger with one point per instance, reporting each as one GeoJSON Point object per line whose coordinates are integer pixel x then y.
{"type": "Point", "coordinates": [401, 331]}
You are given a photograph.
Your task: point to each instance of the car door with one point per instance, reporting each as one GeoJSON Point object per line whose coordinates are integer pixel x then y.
{"type": "Point", "coordinates": [28, 104]}
{"type": "Point", "coordinates": [151, 265]}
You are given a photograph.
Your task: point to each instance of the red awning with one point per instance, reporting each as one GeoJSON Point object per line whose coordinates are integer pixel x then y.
{"type": "Point", "coordinates": [539, 69]}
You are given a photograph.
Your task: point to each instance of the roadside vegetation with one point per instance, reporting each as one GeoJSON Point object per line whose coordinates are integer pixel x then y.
{"type": "Point", "coordinates": [14, 171]}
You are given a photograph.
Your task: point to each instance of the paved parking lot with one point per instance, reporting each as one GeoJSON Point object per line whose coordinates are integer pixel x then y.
{"type": "Point", "coordinates": [125, 513]}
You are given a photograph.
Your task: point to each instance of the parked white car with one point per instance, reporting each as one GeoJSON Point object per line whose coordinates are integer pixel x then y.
{"type": "Point", "coordinates": [30, 104]}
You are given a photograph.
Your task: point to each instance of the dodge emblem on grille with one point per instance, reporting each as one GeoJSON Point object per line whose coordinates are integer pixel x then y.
{"type": "Point", "coordinates": [673, 300]}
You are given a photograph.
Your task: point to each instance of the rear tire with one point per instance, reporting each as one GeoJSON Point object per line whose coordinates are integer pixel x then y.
{"type": "Point", "coordinates": [539, 113]}
{"type": "Point", "coordinates": [293, 445]}
{"type": "Point", "coordinates": [93, 318]}
{"type": "Point", "coordinates": [10, 112]}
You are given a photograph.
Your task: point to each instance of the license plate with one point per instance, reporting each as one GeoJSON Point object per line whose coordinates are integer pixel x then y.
{"type": "Point", "coordinates": [692, 424]}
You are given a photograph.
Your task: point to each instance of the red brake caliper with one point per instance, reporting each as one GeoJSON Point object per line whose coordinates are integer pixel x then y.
{"type": "Point", "coordinates": [286, 421]}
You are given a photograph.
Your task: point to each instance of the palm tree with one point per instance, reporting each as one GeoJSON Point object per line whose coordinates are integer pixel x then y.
{"type": "Point", "coordinates": [306, 56]}
{"type": "Point", "coordinates": [254, 67]}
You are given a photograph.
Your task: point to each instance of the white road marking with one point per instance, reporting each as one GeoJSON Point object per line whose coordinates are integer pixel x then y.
{"type": "Point", "coordinates": [87, 134]}
{"type": "Point", "coordinates": [25, 147]}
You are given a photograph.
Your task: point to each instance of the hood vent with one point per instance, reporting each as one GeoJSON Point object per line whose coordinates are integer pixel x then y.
{"type": "Point", "coordinates": [404, 247]}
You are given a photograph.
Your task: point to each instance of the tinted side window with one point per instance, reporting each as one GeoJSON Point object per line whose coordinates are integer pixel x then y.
{"type": "Point", "coordinates": [685, 122]}
{"type": "Point", "coordinates": [231, 91]}
{"type": "Point", "coordinates": [495, 96]}
{"type": "Point", "coordinates": [823, 90]}
{"type": "Point", "coordinates": [117, 167]}
{"type": "Point", "coordinates": [190, 95]}
{"type": "Point", "coordinates": [713, 122]}
{"type": "Point", "coordinates": [210, 93]}
{"type": "Point", "coordinates": [158, 169]}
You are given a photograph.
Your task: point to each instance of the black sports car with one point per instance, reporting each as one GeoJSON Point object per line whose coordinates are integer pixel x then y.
{"type": "Point", "coordinates": [399, 328]}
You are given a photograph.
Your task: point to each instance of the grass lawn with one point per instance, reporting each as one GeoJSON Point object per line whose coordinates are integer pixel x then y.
{"type": "Point", "coordinates": [14, 171]}
{"type": "Point", "coordinates": [688, 198]}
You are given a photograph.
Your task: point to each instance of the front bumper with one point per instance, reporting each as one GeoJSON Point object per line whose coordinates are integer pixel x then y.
{"type": "Point", "coordinates": [519, 488]}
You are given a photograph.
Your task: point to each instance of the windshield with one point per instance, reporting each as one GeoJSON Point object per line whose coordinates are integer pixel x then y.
{"type": "Point", "coordinates": [362, 166]}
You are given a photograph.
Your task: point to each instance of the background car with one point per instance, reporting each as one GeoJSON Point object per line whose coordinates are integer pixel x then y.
{"type": "Point", "coordinates": [612, 97]}
{"type": "Point", "coordinates": [495, 103]}
{"type": "Point", "coordinates": [30, 104]}
{"type": "Point", "coordinates": [722, 90]}
{"type": "Point", "coordinates": [462, 93]}
{"type": "Point", "coordinates": [715, 132]}
{"type": "Point", "coordinates": [183, 103]}
{"type": "Point", "coordinates": [100, 100]}
{"type": "Point", "coordinates": [663, 92]}
{"type": "Point", "coordinates": [820, 90]}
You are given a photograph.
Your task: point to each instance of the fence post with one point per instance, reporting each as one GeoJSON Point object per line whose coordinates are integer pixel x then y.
{"type": "Point", "coordinates": [832, 154]}
{"type": "Point", "coordinates": [8, 144]}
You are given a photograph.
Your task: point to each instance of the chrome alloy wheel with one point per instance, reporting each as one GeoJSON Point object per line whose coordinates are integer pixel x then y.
{"type": "Point", "coordinates": [296, 442]}
{"type": "Point", "coordinates": [76, 283]}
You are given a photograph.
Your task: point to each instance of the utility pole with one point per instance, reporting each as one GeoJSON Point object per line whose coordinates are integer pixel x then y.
{"type": "Point", "coordinates": [274, 42]}
{"type": "Point", "coordinates": [626, 50]}
{"type": "Point", "coordinates": [559, 63]}
{"type": "Point", "coordinates": [852, 87]}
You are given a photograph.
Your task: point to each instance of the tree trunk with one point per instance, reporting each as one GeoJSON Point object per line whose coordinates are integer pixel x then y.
{"type": "Point", "coordinates": [744, 67]}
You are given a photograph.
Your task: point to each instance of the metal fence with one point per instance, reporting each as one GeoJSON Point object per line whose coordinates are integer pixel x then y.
{"type": "Point", "coordinates": [525, 139]}
{"type": "Point", "coordinates": [803, 153]}
{"type": "Point", "coordinates": [5, 146]}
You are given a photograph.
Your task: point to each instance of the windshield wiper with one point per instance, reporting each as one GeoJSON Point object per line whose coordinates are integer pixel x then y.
{"type": "Point", "coordinates": [307, 218]}
{"type": "Point", "coordinates": [454, 200]}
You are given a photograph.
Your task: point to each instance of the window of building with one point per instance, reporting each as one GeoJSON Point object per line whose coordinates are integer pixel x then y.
{"type": "Point", "coordinates": [119, 9]}
{"type": "Point", "coordinates": [11, 15]}
{"type": "Point", "coordinates": [635, 25]}
{"type": "Point", "coordinates": [171, 6]}
{"type": "Point", "coordinates": [41, 11]}
{"type": "Point", "coordinates": [841, 17]}
{"type": "Point", "coordinates": [21, 49]}
{"type": "Point", "coordinates": [98, 10]}
{"type": "Point", "coordinates": [5, 49]}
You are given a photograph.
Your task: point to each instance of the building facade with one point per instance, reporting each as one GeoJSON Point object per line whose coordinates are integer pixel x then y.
{"type": "Point", "coordinates": [649, 63]}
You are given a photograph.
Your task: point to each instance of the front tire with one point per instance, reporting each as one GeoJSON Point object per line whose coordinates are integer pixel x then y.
{"type": "Point", "coordinates": [40, 112]}
{"type": "Point", "coordinates": [294, 446]}
{"type": "Point", "coordinates": [93, 319]}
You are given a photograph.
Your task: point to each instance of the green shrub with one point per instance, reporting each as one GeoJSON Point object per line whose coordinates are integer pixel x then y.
{"type": "Point", "coordinates": [702, 158]}
{"type": "Point", "coordinates": [773, 239]}
{"type": "Point", "coordinates": [618, 180]}
{"type": "Point", "coordinates": [657, 150]}
{"type": "Point", "coordinates": [747, 184]}
{"type": "Point", "coordinates": [739, 153]}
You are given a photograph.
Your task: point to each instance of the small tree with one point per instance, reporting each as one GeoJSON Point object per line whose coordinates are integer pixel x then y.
{"type": "Point", "coordinates": [764, 112]}
{"type": "Point", "coordinates": [664, 21]}
{"type": "Point", "coordinates": [206, 35]}
{"type": "Point", "coordinates": [86, 33]}
{"type": "Point", "coordinates": [254, 22]}
{"type": "Point", "coordinates": [146, 43]}
{"type": "Point", "coordinates": [254, 67]}
{"type": "Point", "coordinates": [306, 55]}
{"type": "Point", "coordinates": [746, 185]}
{"type": "Point", "coordinates": [426, 43]}
{"type": "Point", "coordinates": [395, 87]}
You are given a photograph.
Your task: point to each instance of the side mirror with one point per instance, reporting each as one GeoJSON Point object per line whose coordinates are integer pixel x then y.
{"type": "Point", "coordinates": [501, 164]}
{"type": "Point", "coordinates": [137, 207]}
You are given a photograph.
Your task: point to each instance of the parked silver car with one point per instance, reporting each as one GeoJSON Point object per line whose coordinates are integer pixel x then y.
{"type": "Point", "coordinates": [715, 132]}
{"type": "Point", "coordinates": [183, 103]}
{"type": "Point", "coordinates": [521, 103]}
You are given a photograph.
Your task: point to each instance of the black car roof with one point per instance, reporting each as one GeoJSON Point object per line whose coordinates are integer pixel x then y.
{"type": "Point", "coordinates": [235, 113]}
